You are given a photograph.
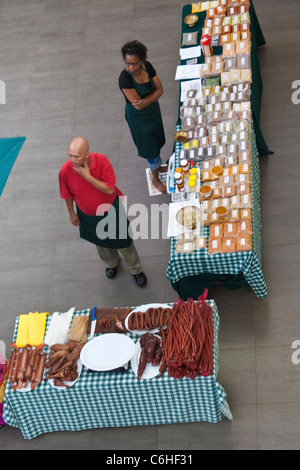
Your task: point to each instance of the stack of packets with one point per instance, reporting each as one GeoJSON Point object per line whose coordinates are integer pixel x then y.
{"type": "Point", "coordinates": [31, 329]}
{"type": "Point", "coordinates": [219, 124]}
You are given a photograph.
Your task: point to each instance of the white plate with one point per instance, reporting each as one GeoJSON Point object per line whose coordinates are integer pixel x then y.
{"type": "Point", "coordinates": [68, 382]}
{"type": "Point", "coordinates": [150, 371]}
{"type": "Point", "coordinates": [107, 352]}
{"type": "Point", "coordinates": [144, 308]}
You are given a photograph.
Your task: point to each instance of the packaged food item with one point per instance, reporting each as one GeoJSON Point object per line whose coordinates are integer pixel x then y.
{"type": "Point", "coordinates": [245, 36]}
{"type": "Point", "coordinates": [208, 23]}
{"type": "Point", "coordinates": [242, 47]}
{"type": "Point", "coordinates": [243, 61]}
{"type": "Point", "coordinates": [201, 153]}
{"type": "Point", "coordinates": [233, 10]}
{"type": "Point", "coordinates": [234, 170]}
{"type": "Point", "coordinates": [188, 123]}
{"type": "Point", "coordinates": [245, 106]}
{"type": "Point", "coordinates": [206, 205]}
{"type": "Point", "coordinates": [229, 229]}
{"type": "Point", "coordinates": [206, 176]}
{"type": "Point", "coordinates": [228, 245]}
{"type": "Point", "coordinates": [219, 161]}
{"type": "Point", "coordinates": [201, 131]}
{"type": "Point", "coordinates": [227, 106]}
{"type": "Point", "coordinates": [244, 9]}
{"type": "Point", "coordinates": [214, 140]}
{"type": "Point", "coordinates": [243, 188]}
{"type": "Point", "coordinates": [244, 145]}
{"type": "Point", "coordinates": [245, 201]}
{"type": "Point", "coordinates": [234, 215]}
{"type": "Point", "coordinates": [245, 27]}
{"type": "Point", "coordinates": [245, 115]}
{"type": "Point", "coordinates": [246, 214]}
{"type": "Point", "coordinates": [232, 150]}
{"type": "Point", "coordinates": [229, 64]}
{"type": "Point", "coordinates": [204, 141]}
{"type": "Point", "coordinates": [221, 150]}
{"type": "Point", "coordinates": [229, 49]}
{"type": "Point", "coordinates": [217, 21]}
{"type": "Point", "coordinates": [235, 19]}
{"type": "Point", "coordinates": [211, 13]}
{"type": "Point", "coordinates": [205, 219]}
{"type": "Point", "coordinates": [217, 68]}
{"type": "Point", "coordinates": [214, 245]}
{"type": "Point", "coordinates": [229, 190]}
{"type": "Point", "coordinates": [201, 242]}
{"type": "Point", "coordinates": [236, 28]}
{"type": "Point", "coordinates": [187, 237]}
{"type": "Point", "coordinates": [216, 117]}
{"type": "Point", "coordinates": [235, 75]}
{"type": "Point", "coordinates": [226, 29]}
{"type": "Point", "coordinates": [196, 7]}
{"type": "Point", "coordinates": [244, 226]}
{"type": "Point", "coordinates": [205, 70]}
{"type": "Point", "coordinates": [201, 120]}
{"type": "Point", "coordinates": [190, 39]}
{"type": "Point", "coordinates": [206, 31]}
{"type": "Point", "coordinates": [231, 115]}
{"type": "Point", "coordinates": [241, 178]}
{"type": "Point", "coordinates": [245, 17]}
{"type": "Point", "coordinates": [221, 10]}
{"type": "Point", "coordinates": [226, 173]}
{"type": "Point", "coordinates": [236, 36]}
{"type": "Point", "coordinates": [216, 31]}
{"type": "Point", "coordinates": [216, 230]}
{"type": "Point", "coordinates": [246, 75]}
{"type": "Point", "coordinates": [217, 193]}
{"type": "Point", "coordinates": [231, 160]}
{"type": "Point", "coordinates": [226, 20]}
{"type": "Point", "coordinates": [184, 247]}
{"type": "Point", "coordinates": [244, 242]}
{"type": "Point", "coordinates": [235, 202]}
{"type": "Point", "coordinates": [206, 91]}
{"type": "Point", "coordinates": [245, 168]}
{"type": "Point", "coordinates": [227, 180]}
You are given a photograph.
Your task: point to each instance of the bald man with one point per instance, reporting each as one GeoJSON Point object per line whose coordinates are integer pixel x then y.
{"type": "Point", "coordinates": [87, 180]}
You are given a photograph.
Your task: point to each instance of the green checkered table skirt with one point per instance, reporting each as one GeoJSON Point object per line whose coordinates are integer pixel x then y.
{"type": "Point", "coordinates": [100, 400]}
{"type": "Point", "coordinates": [182, 265]}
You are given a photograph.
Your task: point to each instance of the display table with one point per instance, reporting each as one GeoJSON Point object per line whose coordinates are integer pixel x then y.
{"type": "Point", "coordinates": [190, 274]}
{"type": "Point", "coordinates": [99, 400]}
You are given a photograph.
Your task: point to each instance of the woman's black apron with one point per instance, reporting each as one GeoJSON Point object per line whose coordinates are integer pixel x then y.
{"type": "Point", "coordinates": [146, 125]}
{"type": "Point", "coordinates": [110, 230]}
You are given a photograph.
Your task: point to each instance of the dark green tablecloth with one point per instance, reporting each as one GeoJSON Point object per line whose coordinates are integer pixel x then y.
{"type": "Point", "coordinates": [258, 40]}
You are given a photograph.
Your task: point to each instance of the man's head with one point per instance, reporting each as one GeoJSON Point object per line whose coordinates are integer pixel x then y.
{"type": "Point", "coordinates": [79, 151]}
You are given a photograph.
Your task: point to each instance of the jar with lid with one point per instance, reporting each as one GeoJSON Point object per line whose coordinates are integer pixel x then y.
{"type": "Point", "coordinates": [192, 186]}
{"type": "Point", "coordinates": [179, 181]}
{"type": "Point", "coordinates": [185, 168]}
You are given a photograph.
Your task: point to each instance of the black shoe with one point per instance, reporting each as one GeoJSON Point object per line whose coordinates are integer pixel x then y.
{"type": "Point", "coordinates": [140, 279]}
{"type": "Point", "coordinates": [111, 272]}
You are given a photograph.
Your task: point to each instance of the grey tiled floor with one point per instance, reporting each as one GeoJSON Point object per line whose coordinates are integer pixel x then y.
{"type": "Point", "coordinates": [60, 60]}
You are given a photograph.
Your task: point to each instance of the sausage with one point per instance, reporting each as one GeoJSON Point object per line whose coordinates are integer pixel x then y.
{"type": "Point", "coordinates": [11, 363]}
{"type": "Point", "coordinates": [30, 363]}
{"type": "Point", "coordinates": [40, 368]}
{"type": "Point", "coordinates": [15, 364]}
{"type": "Point", "coordinates": [24, 358]}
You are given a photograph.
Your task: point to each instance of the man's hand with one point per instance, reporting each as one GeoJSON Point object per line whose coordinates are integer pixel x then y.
{"type": "Point", "coordinates": [83, 170]}
{"type": "Point", "coordinates": [75, 219]}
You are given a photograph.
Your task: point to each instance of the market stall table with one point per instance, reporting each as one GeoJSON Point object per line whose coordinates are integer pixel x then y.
{"type": "Point", "coordinates": [191, 273]}
{"type": "Point", "coordinates": [117, 399]}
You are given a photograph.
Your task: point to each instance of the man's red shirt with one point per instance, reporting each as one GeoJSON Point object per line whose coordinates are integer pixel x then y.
{"type": "Point", "coordinates": [86, 196]}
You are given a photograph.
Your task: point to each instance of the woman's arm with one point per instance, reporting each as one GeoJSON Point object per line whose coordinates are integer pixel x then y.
{"type": "Point", "coordinates": [141, 103]}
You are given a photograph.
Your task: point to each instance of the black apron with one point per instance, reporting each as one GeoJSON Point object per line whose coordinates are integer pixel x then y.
{"type": "Point", "coordinates": [110, 230]}
{"type": "Point", "coordinates": [146, 125]}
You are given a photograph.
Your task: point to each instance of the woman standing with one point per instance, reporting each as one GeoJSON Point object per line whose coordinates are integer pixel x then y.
{"type": "Point", "coordinates": [142, 88]}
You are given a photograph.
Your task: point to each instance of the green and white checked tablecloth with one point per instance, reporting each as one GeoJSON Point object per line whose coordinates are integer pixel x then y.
{"type": "Point", "coordinates": [99, 400]}
{"type": "Point", "coordinates": [249, 263]}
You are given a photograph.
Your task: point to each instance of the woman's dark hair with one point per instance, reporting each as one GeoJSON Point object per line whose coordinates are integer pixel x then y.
{"type": "Point", "coordinates": [134, 48]}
